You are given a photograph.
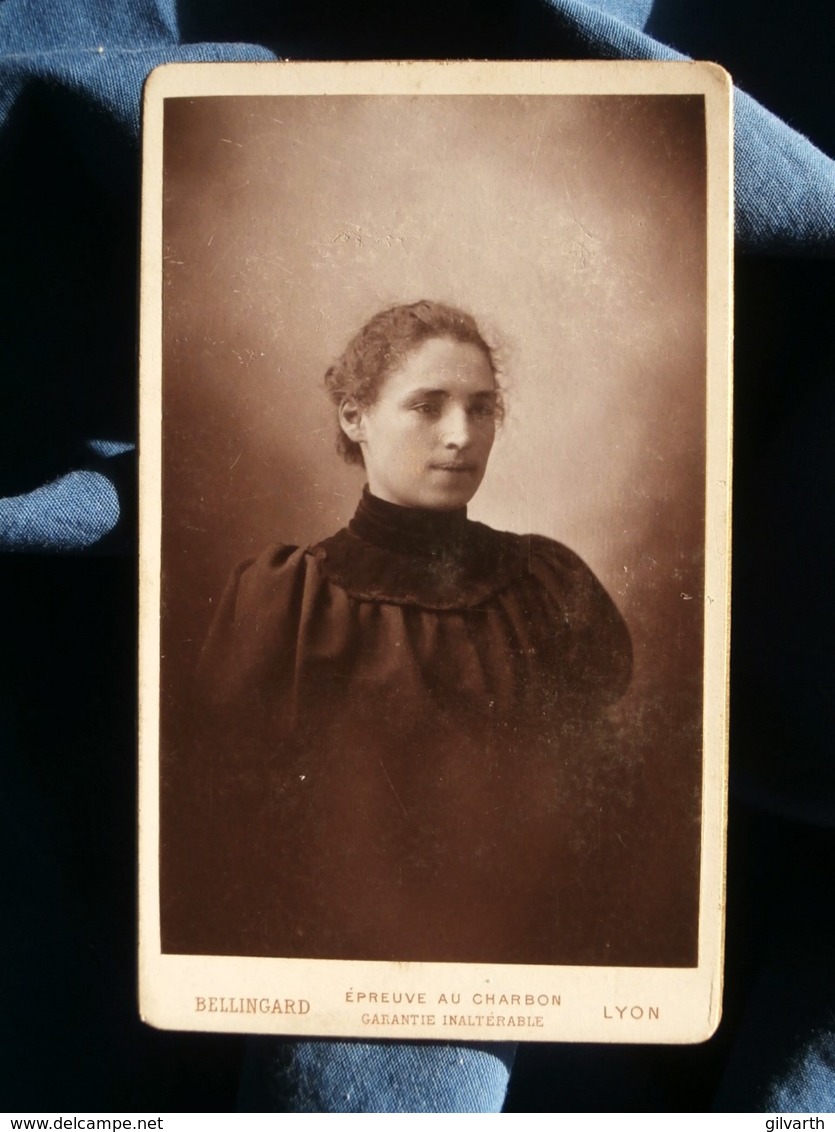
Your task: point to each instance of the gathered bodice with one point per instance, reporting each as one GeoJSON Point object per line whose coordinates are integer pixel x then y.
{"type": "Point", "coordinates": [405, 716]}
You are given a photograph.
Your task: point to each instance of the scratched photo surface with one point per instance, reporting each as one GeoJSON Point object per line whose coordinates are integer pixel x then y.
{"type": "Point", "coordinates": [573, 229]}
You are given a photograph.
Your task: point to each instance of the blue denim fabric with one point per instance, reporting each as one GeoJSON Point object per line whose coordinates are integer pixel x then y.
{"type": "Point", "coordinates": [348, 1076]}
{"type": "Point", "coordinates": [71, 73]}
{"type": "Point", "coordinates": [72, 513]}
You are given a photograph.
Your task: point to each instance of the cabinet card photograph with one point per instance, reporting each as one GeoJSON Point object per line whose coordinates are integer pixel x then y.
{"type": "Point", "coordinates": [435, 396]}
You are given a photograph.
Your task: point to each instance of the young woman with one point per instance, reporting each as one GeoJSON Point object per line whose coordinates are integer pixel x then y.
{"type": "Point", "coordinates": [404, 724]}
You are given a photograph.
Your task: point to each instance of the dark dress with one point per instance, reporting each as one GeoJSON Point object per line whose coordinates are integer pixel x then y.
{"type": "Point", "coordinates": [404, 746]}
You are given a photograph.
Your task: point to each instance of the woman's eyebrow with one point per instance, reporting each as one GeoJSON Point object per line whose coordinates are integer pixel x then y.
{"type": "Point", "coordinates": [478, 395]}
{"type": "Point", "coordinates": [416, 394]}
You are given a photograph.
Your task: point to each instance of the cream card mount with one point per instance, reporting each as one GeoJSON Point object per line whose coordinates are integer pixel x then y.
{"type": "Point", "coordinates": [444, 756]}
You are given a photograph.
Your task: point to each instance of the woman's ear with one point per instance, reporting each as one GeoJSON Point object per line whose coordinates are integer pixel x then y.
{"type": "Point", "coordinates": [351, 420]}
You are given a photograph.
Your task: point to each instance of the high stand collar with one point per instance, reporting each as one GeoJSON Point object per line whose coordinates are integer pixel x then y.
{"type": "Point", "coordinates": [410, 530]}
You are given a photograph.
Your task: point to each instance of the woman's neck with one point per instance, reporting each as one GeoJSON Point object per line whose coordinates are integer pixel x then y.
{"type": "Point", "coordinates": [408, 529]}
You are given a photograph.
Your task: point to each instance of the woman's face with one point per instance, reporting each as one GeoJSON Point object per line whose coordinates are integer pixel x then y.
{"type": "Point", "coordinates": [427, 438]}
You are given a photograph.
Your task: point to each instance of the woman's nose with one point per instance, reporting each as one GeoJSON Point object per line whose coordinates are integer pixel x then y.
{"type": "Point", "coordinates": [456, 429]}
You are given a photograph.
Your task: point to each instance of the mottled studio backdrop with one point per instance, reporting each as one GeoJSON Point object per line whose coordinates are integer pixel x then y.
{"type": "Point", "coordinates": [573, 228]}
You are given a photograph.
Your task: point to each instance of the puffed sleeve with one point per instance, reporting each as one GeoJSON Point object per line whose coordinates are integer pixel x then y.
{"type": "Point", "coordinates": [596, 648]}
{"type": "Point", "coordinates": [248, 657]}
{"type": "Point", "coordinates": [237, 757]}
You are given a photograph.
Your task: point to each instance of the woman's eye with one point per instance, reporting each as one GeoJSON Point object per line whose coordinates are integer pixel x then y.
{"type": "Point", "coordinates": [483, 412]}
{"type": "Point", "coordinates": [427, 409]}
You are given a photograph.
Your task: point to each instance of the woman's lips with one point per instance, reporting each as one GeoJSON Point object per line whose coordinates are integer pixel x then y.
{"type": "Point", "coordinates": [453, 467]}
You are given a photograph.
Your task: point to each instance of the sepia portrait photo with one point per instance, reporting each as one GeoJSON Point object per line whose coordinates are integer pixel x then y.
{"type": "Point", "coordinates": [435, 399]}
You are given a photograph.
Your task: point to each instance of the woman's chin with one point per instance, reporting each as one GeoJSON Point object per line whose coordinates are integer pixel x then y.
{"type": "Point", "coordinates": [448, 501]}
{"type": "Point", "coordinates": [450, 491]}
{"type": "Point", "coordinates": [444, 494]}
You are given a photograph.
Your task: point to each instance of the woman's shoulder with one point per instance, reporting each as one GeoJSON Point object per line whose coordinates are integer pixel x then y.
{"type": "Point", "coordinates": [529, 548]}
{"type": "Point", "coordinates": [547, 558]}
{"type": "Point", "coordinates": [277, 575]}
{"type": "Point", "coordinates": [263, 603]}
{"type": "Point", "coordinates": [522, 555]}
{"type": "Point", "coordinates": [278, 556]}
{"type": "Point", "coordinates": [563, 570]}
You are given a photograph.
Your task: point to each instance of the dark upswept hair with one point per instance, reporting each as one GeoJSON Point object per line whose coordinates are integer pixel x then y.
{"type": "Point", "coordinates": [383, 344]}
